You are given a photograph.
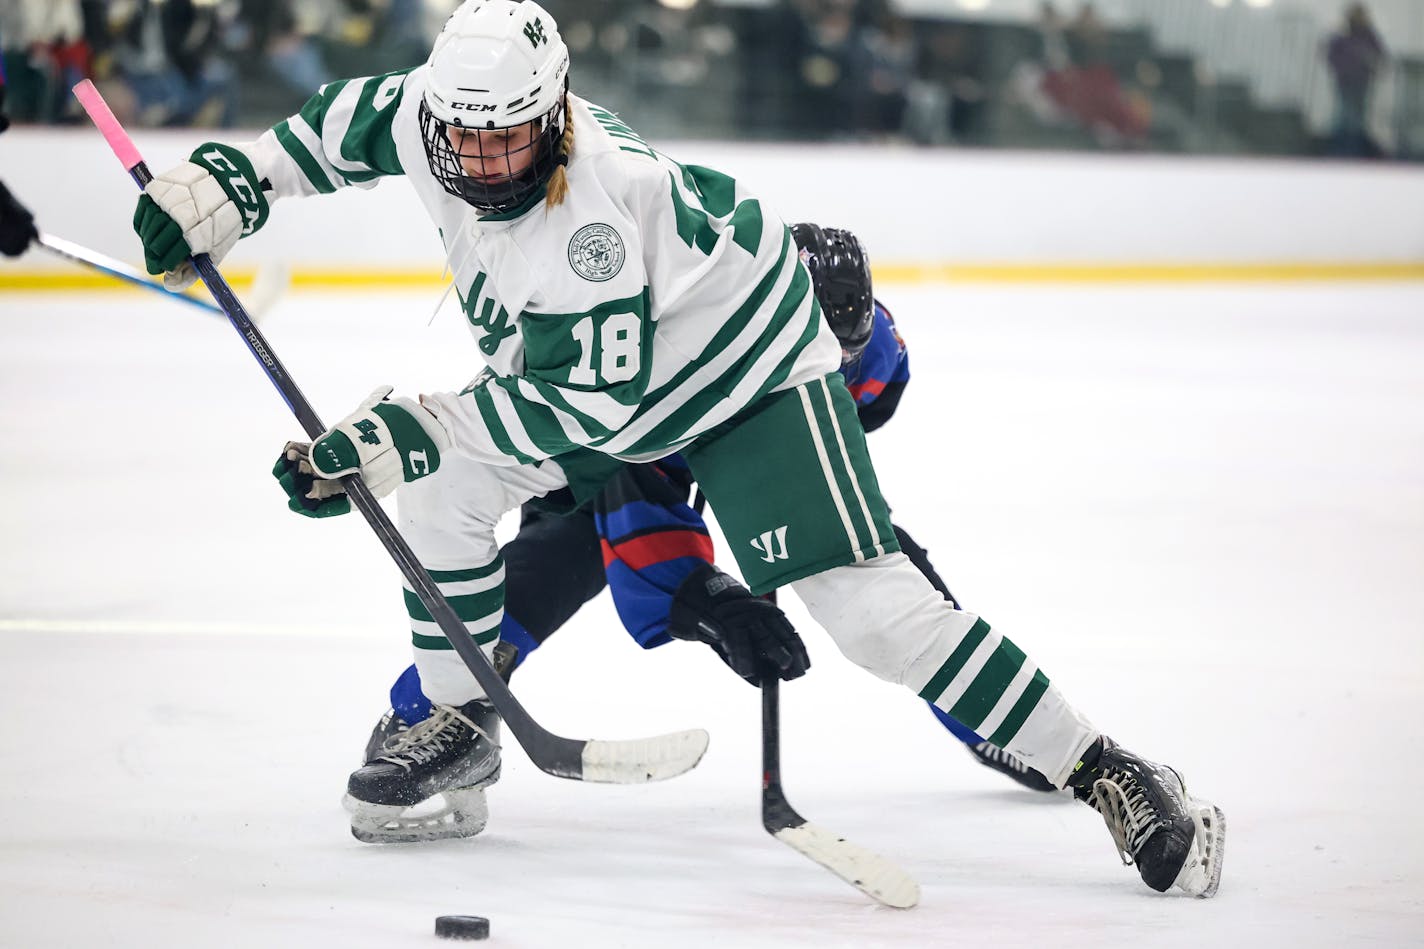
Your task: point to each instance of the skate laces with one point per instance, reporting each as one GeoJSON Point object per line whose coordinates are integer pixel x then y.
{"type": "Point", "coordinates": [424, 740]}
{"type": "Point", "coordinates": [1129, 813]}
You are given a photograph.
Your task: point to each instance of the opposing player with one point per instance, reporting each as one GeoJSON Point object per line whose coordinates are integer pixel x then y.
{"type": "Point", "coordinates": [641, 538]}
{"type": "Point", "coordinates": [630, 307]}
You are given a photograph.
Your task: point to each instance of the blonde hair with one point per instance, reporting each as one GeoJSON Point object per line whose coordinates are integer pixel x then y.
{"type": "Point", "coordinates": [559, 180]}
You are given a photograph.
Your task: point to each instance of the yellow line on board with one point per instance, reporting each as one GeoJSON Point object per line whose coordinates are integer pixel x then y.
{"type": "Point", "coordinates": [995, 273]}
{"type": "Point", "coordinates": [48, 280]}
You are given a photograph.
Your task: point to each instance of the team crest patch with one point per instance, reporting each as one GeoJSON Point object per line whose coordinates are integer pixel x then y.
{"type": "Point", "coordinates": [596, 252]}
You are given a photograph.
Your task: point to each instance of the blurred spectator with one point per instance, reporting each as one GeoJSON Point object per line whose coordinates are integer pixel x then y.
{"type": "Point", "coordinates": [1088, 38]}
{"type": "Point", "coordinates": [404, 31]}
{"type": "Point", "coordinates": [826, 65]}
{"type": "Point", "coordinates": [169, 54]}
{"type": "Point", "coordinates": [45, 55]}
{"type": "Point", "coordinates": [1075, 82]}
{"type": "Point", "coordinates": [774, 44]}
{"type": "Point", "coordinates": [1355, 55]}
{"type": "Point", "coordinates": [954, 62]}
{"type": "Point", "coordinates": [880, 67]}
{"type": "Point", "coordinates": [1027, 84]}
{"type": "Point", "coordinates": [283, 34]}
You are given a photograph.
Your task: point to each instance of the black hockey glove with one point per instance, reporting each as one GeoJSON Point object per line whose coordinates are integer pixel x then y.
{"type": "Point", "coordinates": [17, 225]}
{"type": "Point", "coordinates": [751, 635]}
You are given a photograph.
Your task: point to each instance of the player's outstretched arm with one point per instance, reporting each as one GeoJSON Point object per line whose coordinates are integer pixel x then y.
{"type": "Point", "coordinates": [342, 136]}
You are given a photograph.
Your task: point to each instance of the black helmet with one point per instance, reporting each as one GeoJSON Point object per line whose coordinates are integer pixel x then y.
{"type": "Point", "coordinates": [840, 277]}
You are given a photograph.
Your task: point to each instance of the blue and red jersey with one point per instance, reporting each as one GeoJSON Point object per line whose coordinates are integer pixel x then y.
{"type": "Point", "coordinates": [877, 379]}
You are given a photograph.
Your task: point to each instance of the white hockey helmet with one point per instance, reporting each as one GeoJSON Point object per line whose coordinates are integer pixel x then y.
{"type": "Point", "coordinates": [497, 64]}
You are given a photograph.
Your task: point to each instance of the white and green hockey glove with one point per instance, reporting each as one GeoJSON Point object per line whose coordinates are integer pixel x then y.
{"type": "Point", "coordinates": [201, 206]}
{"type": "Point", "coordinates": [386, 441]}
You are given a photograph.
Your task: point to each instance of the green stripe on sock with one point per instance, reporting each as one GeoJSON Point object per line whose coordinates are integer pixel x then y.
{"type": "Point", "coordinates": [474, 573]}
{"type": "Point", "coordinates": [989, 685]}
{"type": "Point", "coordinates": [482, 638]}
{"type": "Point", "coordinates": [468, 608]}
{"type": "Point", "coordinates": [941, 679]}
{"type": "Point", "coordinates": [1021, 710]}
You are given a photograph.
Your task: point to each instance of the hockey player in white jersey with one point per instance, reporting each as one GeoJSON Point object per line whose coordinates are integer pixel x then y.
{"type": "Point", "coordinates": [627, 307]}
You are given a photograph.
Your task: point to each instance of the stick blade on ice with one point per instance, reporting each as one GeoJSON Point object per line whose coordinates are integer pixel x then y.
{"type": "Point", "coordinates": [640, 760]}
{"type": "Point", "coordinates": [868, 872]}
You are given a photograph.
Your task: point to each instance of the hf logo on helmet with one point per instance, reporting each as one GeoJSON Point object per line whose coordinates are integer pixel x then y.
{"type": "Point", "coordinates": [534, 32]}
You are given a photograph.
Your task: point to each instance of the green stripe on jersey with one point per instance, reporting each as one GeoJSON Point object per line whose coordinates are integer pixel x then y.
{"type": "Point", "coordinates": [700, 402]}
{"type": "Point", "coordinates": [731, 329]}
{"type": "Point", "coordinates": [367, 140]}
{"type": "Point", "coordinates": [542, 427]}
{"type": "Point", "coordinates": [716, 192]}
{"type": "Point", "coordinates": [299, 153]}
{"type": "Point", "coordinates": [495, 425]}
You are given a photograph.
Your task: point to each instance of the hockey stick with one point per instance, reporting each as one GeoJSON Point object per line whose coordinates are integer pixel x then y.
{"type": "Point", "coordinates": [868, 872]}
{"type": "Point", "coordinates": [616, 762]}
{"type": "Point", "coordinates": [267, 284]}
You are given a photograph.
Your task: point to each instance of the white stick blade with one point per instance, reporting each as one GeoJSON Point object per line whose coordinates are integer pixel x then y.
{"type": "Point", "coordinates": [645, 759]}
{"type": "Point", "coordinates": [868, 872]}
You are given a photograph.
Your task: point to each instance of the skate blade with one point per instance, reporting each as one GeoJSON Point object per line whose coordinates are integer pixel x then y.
{"type": "Point", "coordinates": [1201, 874]}
{"type": "Point", "coordinates": [460, 812]}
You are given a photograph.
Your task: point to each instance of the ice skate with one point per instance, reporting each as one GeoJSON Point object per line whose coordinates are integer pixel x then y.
{"type": "Point", "coordinates": [1173, 838]}
{"type": "Point", "coordinates": [992, 756]}
{"type": "Point", "coordinates": [426, 781]}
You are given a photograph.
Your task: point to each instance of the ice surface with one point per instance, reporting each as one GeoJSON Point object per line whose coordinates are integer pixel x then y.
{"type": "Point", "coordinates": [1201, 510]}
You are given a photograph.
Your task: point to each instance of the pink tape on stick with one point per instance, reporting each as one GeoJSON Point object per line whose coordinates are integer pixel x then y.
{"type": "Point", "coordinates": [109, 126]}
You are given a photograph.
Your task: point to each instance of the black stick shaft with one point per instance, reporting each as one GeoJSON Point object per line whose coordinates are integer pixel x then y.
{"type": "Point", "coordinates": [777, 813]}
{"type": "Point", "coordinates": [770, 733]}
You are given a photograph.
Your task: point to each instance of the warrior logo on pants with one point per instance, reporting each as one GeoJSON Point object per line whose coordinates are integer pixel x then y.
{"type": "Point", "coordinates": [767, 545]}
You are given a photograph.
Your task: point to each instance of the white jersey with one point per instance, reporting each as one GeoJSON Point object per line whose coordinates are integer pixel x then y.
{"type": "Point", "coordinates": [656, 302]}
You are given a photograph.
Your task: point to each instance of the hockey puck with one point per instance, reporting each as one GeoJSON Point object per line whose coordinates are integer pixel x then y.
{"type": "Point", "coordinates": [462, 927]}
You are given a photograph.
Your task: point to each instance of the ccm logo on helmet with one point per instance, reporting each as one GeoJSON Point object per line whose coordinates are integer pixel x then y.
{"type": "Point", "coordinates": [471, 107]}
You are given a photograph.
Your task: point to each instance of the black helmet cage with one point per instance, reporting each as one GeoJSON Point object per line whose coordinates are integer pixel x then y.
{"type": "Point", "coordinates": [840, 276]}
{"type": "Point", "coordinates": [499, 192]}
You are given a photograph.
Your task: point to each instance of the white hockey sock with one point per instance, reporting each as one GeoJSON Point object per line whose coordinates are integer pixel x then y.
{"type": "Point", "coordinates": [887, 618]}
